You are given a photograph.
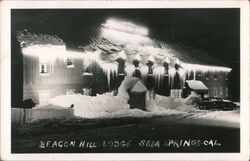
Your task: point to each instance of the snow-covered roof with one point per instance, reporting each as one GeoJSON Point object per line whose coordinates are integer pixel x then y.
{"type": "Point", "coordinates": [25, 38]}
{"type": "Point", "coordinates": [139, 87]}
{"type": "Point", "coordinates": [156, 50]}
{"type": "Point", "coordinates": [196, 85]}
{"type": "Point", "coordinates": [190, 55]}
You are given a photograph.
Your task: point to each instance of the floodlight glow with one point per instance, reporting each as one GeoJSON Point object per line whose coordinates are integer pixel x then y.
{"type": "Point", "coordinates": [124, 37]}
{"type": "Point", "coordinates": [125, 26]}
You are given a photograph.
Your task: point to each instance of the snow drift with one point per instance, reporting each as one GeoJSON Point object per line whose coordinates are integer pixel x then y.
{"type": "Point", "coordinates": [92, 107]}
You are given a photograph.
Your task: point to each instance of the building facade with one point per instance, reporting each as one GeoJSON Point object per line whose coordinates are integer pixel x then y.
{"type": "Point", "coordinates": [49, 70]}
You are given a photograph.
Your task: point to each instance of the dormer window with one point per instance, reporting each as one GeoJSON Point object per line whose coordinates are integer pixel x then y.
{"type": "Point", "coordinates": [70, 63]}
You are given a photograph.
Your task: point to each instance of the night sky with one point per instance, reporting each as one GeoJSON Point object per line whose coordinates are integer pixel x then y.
{"type": "Point", "coordinates": [216, 31]}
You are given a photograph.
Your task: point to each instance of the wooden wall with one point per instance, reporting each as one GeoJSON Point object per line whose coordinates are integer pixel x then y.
{"type": "Point", "coordinates": [56, 82]}
{"type": "Point", "coordinates": [58, 74]}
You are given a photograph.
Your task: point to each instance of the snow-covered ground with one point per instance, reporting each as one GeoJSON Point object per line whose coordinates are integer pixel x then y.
{"type": "Point", "coordinates": [109, 106]}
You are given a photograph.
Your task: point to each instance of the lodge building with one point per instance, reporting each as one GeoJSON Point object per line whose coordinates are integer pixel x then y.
{"type": "Point", "coordinates": [49, 70]}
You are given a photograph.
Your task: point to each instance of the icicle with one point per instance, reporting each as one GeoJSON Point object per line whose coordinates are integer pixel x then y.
{"type": "Point", "coordinates": [158, 74]}
{"type": "Point", "coordinates": [109, 68]}
{"type": "Point", "coordinates": [130, 68]}
{"type": "Point", "coordinates": [194, 74]}
{"type": "Point", "coordinates": [144, 71]}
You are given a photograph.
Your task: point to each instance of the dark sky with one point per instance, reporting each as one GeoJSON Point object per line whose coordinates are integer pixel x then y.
{"type": "Point", "coordinates": [215, 30]}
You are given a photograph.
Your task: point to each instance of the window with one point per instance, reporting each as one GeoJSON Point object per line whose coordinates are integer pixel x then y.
{"type": "Point", "coordinates": [207, 75]}
{"type": "Point", "coordinates": [70, 63]}
{"type": "Point", "coordinates": [221, 91]}
{"type": "Point", "coordinates": [215, 92]}
{"type": "Point", "coordinates": [70, 91]}
{"type": "Point", "coordinates": [226, 91]}
{"type": "Point", "coordinates": [43, 68]}
{"type": "Point", "coordinates": [199, 73]}
{"type": "Point", "coordinates": [221, 74]}
{"type": "Point", "coordinates": [215, 76]}
{"type": "Point", "coordinates": [226, 76]}
{"type": "Point", "coordinates": [191, 75]}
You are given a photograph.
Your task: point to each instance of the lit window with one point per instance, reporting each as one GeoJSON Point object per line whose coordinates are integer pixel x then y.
{"type": "Point", "coordinates": [221, 91]}
{"type": "Point", "coordinates": [70, 91]}
{"type": "Point", "coordinates": [226, 91]}
{"type": "Point", "coordinates": [70, 63]}
{"type": "Point", "coordinates": [215, 92]}
{"type": "Point", "coordinates": [43, 68]}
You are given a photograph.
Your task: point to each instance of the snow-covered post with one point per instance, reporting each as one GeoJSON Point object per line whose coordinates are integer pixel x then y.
{"type": "Point", "coordinates": [136, 62]}
{"type": "Point", "coordinates": [150, 78]}
{"type": "Point", "coordinates": [121, 69]}
{"type": "Point", "coordinates": [88, 77]}
{"type": "Point", "coordinates": [177, 89]}
{"type": "Point", "coordinates": [166, 83]}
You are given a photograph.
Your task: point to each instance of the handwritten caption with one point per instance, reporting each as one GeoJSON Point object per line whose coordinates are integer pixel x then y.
{"type": "Point", "coordinates": [87, 144]}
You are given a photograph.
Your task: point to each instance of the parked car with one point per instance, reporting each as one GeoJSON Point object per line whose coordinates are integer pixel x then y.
{"type": "Point", "coordinates": [216, 103]}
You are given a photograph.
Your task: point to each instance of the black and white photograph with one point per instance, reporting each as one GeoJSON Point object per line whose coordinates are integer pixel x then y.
{"type": "Point", "coordinates": [125, 80]}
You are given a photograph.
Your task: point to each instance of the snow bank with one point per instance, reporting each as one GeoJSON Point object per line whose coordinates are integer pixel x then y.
{"type": "Point", "coordinates": [92, 107]}
{"type": "Point", "coordinates": [110, 106]}
{"type": "Point", "coordinates": [192, 99]}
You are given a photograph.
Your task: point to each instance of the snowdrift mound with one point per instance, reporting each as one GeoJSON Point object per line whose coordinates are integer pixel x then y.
{"type": "Point", "coordinates": [92, 107]}
{"type": "Point", "coordinates": [126, 85]}
{"type": "Point", "coordinates": [110, 106]}
{"type": "Point", "coordinates": [192, 99]}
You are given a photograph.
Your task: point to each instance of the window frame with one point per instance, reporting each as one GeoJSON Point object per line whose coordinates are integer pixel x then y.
{"type": "Point", "coordinates": [221, 91]}
{"type": "Point", "coordinates": [46, 68]}
{"type": "Point", "coordinates": [226, 94]}
{"type": "Point", "coordinates": [71, 60]}
{"type": "Point", "coordinates": [215, 76]}
{"type": "Point", "coordinates": [215, 92]}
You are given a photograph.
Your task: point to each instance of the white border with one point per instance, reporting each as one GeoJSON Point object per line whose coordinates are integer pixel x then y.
{"type": "Point", "coordinates": [5, 78]}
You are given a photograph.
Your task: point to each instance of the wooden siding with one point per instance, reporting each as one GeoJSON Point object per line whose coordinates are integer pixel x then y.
{"type": "Point", "coordinates": [56, 82]}
{"type": "Point", "coordinates": [58, 74]}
